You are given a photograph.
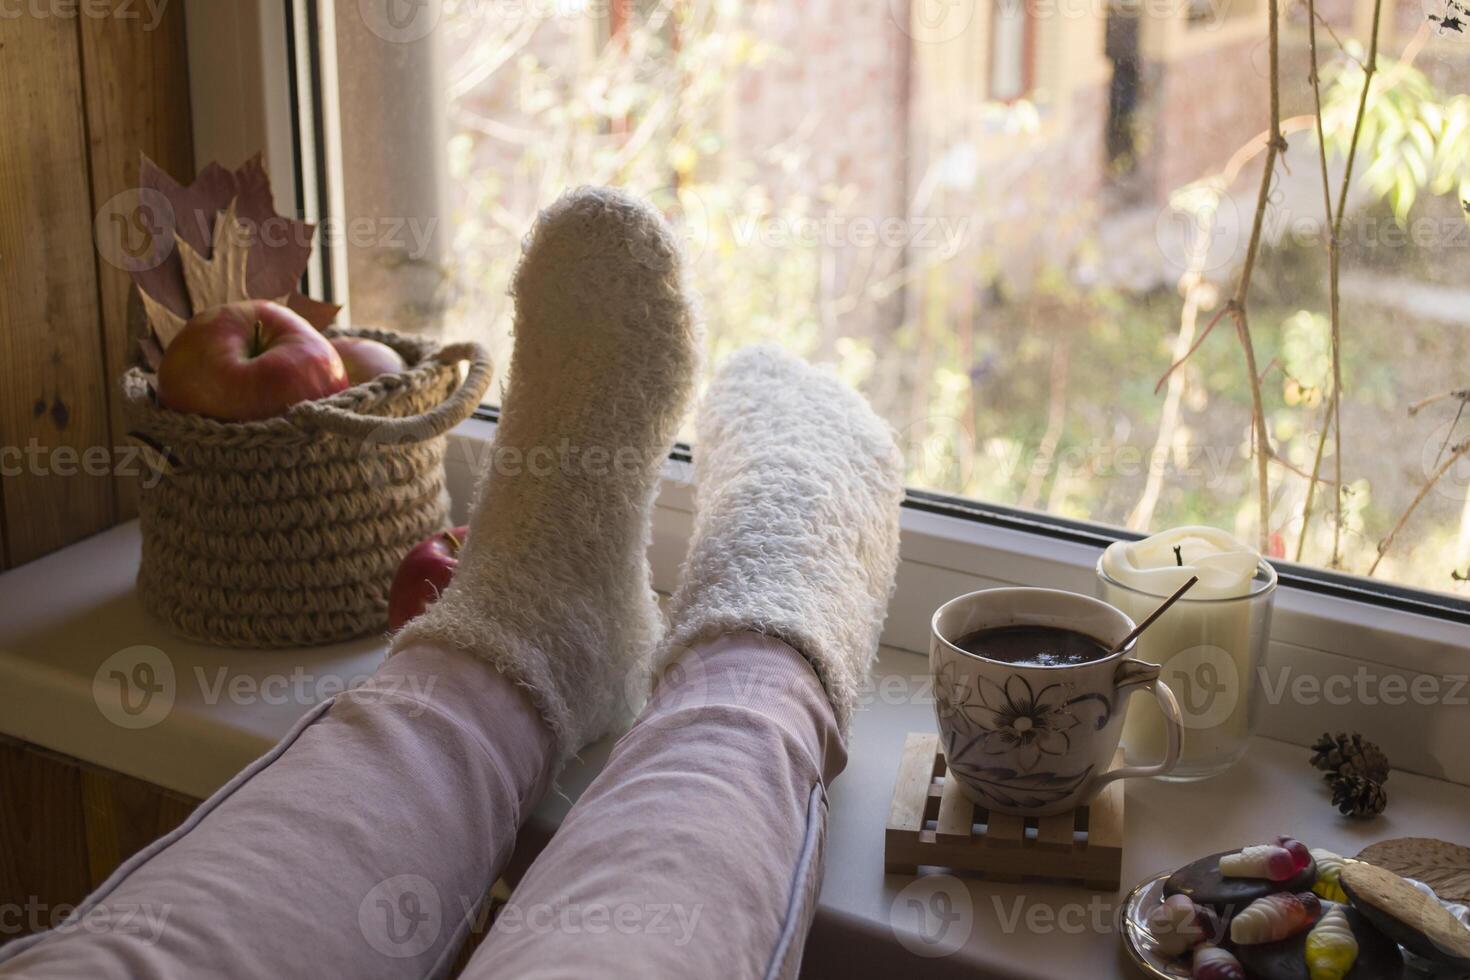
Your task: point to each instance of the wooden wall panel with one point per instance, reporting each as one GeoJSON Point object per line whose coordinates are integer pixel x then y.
{"type": "Point", "coordinates": [65, 826]}
{"type": "Point", "coordinates": [90, 93]}
{"type": "Point", "coordinates": [43, 859]}
{"type": "Point", "coordinates": [136, 86]}
{"type": "Point", "coordinates": [122, 816]}
{"type": "Point", "coordinates": [52, 397]}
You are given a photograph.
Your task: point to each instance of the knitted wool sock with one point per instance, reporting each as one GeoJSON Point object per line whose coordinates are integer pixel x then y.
{"type": "Point", "coordinates": [553, 582]}
{"type": "Point", "coordinates": [796, 531]}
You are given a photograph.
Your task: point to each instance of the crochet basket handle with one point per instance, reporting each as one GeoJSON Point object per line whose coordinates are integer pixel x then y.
{"type": "Point", "coordinates": [414, 428]}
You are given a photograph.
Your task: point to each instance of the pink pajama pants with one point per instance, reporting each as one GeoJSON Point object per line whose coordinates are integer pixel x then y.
{"type": "Point", "coordinates": [365, 842]}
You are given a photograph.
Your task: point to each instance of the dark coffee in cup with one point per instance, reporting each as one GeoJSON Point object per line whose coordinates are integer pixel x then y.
{"type": "Point", "coordinates": [1030, 702]}
{"type": "Point", "coordinates": [1033, 646]}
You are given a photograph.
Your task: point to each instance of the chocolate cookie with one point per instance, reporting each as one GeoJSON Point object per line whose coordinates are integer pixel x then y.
{"type": "Point", "coordinates": [1378, 956]}
{"type": "Point", "coordinates": [1406, 915]}
{"type": "Point", "coordinates": [1203, 883]}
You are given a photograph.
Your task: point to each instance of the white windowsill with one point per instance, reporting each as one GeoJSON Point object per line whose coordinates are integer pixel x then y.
{"type": "Point", "coordinates": [54, 636]}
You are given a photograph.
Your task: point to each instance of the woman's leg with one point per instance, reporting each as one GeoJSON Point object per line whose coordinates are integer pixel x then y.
{"type": "Point", "coordinates": [363, 843]}
{"type": "Point", "coordinates": [697, 852]}
{"type": "Point", "coordinates": [360, 846]}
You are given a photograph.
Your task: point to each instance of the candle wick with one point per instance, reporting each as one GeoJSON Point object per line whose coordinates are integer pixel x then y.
{"type": "Point", "coordinates": [1179, 554]}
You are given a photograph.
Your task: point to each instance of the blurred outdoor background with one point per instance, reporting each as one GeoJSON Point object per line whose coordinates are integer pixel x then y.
{"type": "Point", "coordinates": [1003, 220]}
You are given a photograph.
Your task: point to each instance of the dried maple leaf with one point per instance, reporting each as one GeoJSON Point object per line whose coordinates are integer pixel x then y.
{"type": "Point", "coordinates": [221, 278]}
{"type": "Point", "coordinates": [277, 254]}
{"type": "Point", "coordinates": [282, 246]}
{"type": "Point", "coordinates": [313, 311]}
{"type": "Point", "coordinates": [209, 282]}
{"type": "Point", "coordinates": [192, 211]}
{"type": "Point", "coordinates": [165, 322]}
{"type": "Point", "coordinates": [151, 352]}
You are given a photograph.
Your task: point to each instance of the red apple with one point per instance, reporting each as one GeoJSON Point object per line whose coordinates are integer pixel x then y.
{"type": "Point", "coordinates": [423, 575]}
{"type": "Point", "coordinates": [366, 359]}
{"type": "Point", "coordinates": [247, 361]}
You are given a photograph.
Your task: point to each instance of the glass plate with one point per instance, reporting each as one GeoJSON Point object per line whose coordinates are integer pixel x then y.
{"type": "Point", "coordinates": [1142, 949]}
{"type": "Point", "coordinates": [1137, 940]}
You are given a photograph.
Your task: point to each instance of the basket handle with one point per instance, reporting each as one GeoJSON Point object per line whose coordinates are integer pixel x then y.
{"type": "Point", "coordinates": [414, 428]}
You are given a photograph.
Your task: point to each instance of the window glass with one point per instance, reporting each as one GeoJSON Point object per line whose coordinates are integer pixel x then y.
{"type": "Point", "coordinates": [1008, 52]}
{"type": "Point", "coordinates": [1003, 224]}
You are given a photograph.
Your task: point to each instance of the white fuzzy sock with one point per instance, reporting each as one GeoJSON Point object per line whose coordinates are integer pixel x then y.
{"type": "Point", "coordinates": [553, 583]}
{"type": "Point", "coordinates": [796, 533]}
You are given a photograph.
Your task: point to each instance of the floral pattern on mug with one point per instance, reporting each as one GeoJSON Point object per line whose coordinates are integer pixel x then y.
{"type": "Point", "coordinates": [1008, 787]}
{"type": "Point", "coordinates": [1031, 723]}
{"type": "Point", "coordinates": [951, 692]}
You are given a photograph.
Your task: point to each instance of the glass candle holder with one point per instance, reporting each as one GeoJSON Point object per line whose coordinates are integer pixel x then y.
{"type": "Point", "coordinates": [1212, 652]}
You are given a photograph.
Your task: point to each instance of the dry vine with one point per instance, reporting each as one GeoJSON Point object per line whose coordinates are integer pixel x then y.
{"type": "Point", "coordinates": [1275, 146]}
{"type": "Point", "coordinates": [1274, 143]}
{"type": "Point", "coordinates": [1458, 453]}
{"type": "Point", "coordinates": [1332, 417]}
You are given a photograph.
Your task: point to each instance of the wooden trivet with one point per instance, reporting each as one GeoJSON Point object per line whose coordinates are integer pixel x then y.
{"type": "Point", "coordinates": [932, 823]}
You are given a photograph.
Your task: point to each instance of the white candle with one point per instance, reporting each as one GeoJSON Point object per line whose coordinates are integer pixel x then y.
{"type": "Point", "coordinates": [1204, 646]}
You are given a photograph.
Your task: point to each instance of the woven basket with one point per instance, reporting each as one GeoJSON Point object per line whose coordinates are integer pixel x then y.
{"type": "Point", "coordinates": [287, 531]}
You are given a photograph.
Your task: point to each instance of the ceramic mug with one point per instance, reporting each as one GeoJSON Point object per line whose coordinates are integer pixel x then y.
{"type": "Point", "coordinates": [1034, 740]}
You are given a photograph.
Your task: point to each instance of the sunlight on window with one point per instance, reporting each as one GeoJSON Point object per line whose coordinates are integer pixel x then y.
{"type": "Point", "coordinates": [1008, 51]}
{"type": "Point", "coordinates": [1006, 219]}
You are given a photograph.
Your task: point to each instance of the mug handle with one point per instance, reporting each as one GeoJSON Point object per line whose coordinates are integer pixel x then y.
{"type": "Point", "coordinates": [1134, 675]}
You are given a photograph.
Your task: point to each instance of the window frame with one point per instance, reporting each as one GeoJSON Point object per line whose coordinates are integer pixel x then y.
{"type": "Point", "coordinates": [257, 84]}
{"type": "Point", "coordinates": [1029, 27]}
{"type": "Point", "coordinates": [950, 545]}
{"type": "Point", "coordinates": [1306, 579]}
{"type": "Point", "coordinates": [1291, 574]}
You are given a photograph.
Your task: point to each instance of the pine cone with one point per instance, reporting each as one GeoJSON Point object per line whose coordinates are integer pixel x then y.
{"type": "Point", "coordinates": [1350, 755]}
{"type": "Point", "coordinates": [1355, 796]}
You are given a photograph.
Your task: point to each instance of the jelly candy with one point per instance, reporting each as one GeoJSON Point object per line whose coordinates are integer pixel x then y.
{"type": "Point", "coordinates": [1329, 869]}
{"type": "Point", "coordinates": [1260, 861]}
{"type": "Point", "coordinates": [1332, 949]}
{"type": "Point", "coordinates": [1298, 851]}
{"type": "Point", "coordinates": [1177, 924]}
{"type": "Point", "coordinates": [1214, 963]}
{"type": "Point", "coordinates": [1274, 917]}
{"type": "Point", "coordinates": [1209, 924]}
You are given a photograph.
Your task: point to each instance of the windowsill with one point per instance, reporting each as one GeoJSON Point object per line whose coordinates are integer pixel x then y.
{"type": "Point", "coordinates": [1273, 790]}
{"type": "Point", "coordinates": [53, 636]}
{"type": "Point", "coordinates": [54, 639]}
